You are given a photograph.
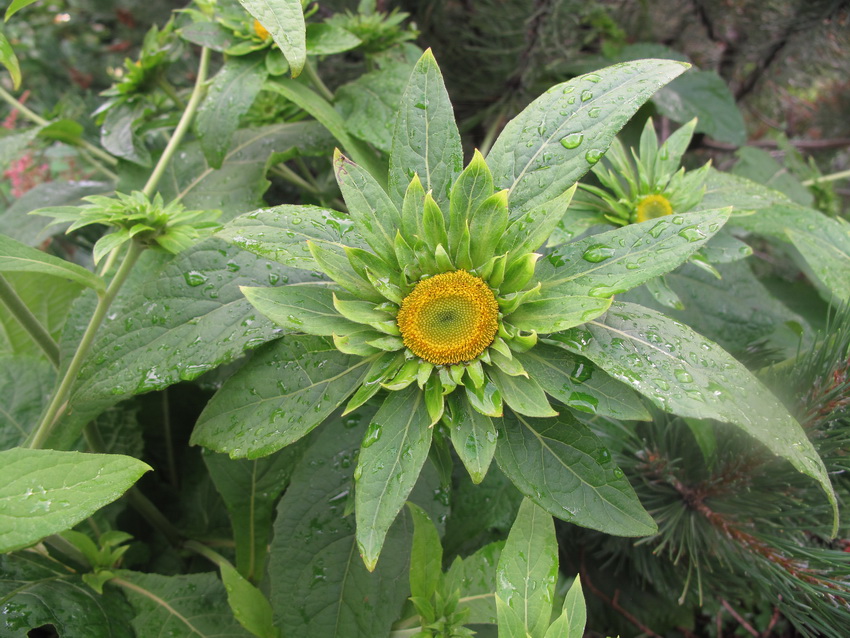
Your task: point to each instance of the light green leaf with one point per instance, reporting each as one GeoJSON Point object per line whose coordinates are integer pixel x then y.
{"type": "Point", "coordinates": [279, 396]}
{"type": "Point", "coordinates": [510, 624]}
{"type": "Point", "coordinates": [426, 555]}
{"type": "Point", "coordinates": [567, 470]}
{"type": "Point", "coordinates": [281, 233]}
{"type": "Point", "coordinates": [284, 20]}
{"type": "Point", "coordinates": [249, 606]}
{"type": "Point", "coordinates": [43, 492]}
{"type": "Point", "coordinates": [426, 140]}
{"type": "Point", "coordinates": [473, 436]}
{"type": "Point", "coordinates": [10, 60]}
{"type": "Point", "coordinates": [472, 187]}
{"type": "Point", "coordinates": [524, 395]}
{"type": "Point", "coordinates": [528, 568]}
{"type": "Point", "coordinates": [487, 224]}
{"type": "Point", "coordinates": [394, 449]}
{"type": "Point", "coordinates": [684, 373]}
{"type": "Point", "coordinates": [558, 137]}
{"type": "Point", "coordinates": [25, 385]}
{"type": "Point", "coordinates": [18, 257]}
{"type": "Point", "coordinates": [230, 95]}
{"type": "Point", "coordinates": [827, 252]}
{"type": "Point", "coordinates": [575, 610]}
{"type": "Point", "coordinates": [530, 232]}
{"type": "Point", "coordinates": [301, 308]}
{"type": "Point", "coordinates": [556, 312]}
{"type": "Point", "coordinates": [579, 384]}
{"type": "Point", "coordinates": [328, 39]}
{"type": "Point", "coordinates": [758, 165]}
{"type": "Point", "coordinates": [618, 260]}
{"type": "Point", "coordinates": [15, 6]}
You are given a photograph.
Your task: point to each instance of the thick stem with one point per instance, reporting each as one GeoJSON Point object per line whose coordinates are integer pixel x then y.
{"type": "Point", "coordinates": [182, 125]}
{"type": "Point", "coordinates": [57, 404]}
{"type": "Point", "coordinates": [212, 556]}
{"type": "Point", "coordinates": [29, 321]}
{"type": "Point", "coordinates": [316, 81]}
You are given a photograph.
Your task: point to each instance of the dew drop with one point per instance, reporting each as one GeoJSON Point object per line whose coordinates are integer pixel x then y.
{"type": "Point", "coordinates": [597, 253]}
{"type": "Point", "coordinates": [594, 155]}
{"type": "Point", "coordinates": [573, 140]}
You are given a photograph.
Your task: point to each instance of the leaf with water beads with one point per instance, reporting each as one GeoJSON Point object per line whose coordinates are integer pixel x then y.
{"type": "Point", "coordinates": [301, 308]}
{"type": "Point", "coordinates": [473, 436]}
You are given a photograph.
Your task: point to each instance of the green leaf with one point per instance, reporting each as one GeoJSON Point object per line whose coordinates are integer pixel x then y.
{"type": "Point", "coordinates": [684, 373]}
{"type": "Point", "coordinates": [250, 490]}
{"type": "Point", "coordinates": [120, 133]}
{"type": "Point", "coordinates": [475, 578]}
{"type": "Point", "coordinates": [230, 95]}
{"type": "Point", "coordinates": [524, 395]}
{"type": "Point", "coordinates": [15, 6]}
{"type": "Point", "coordinates": [249, 606]}
{"type": "Point", "coordinates": [46, 491]}
{"type": "Point", "coordinates": [575, 610]}
{"type": "Point", "coordinates": [36, 590]}
{"type": "Point", "coordinates": [566, 469]}
{"type": "Point", "coordinates": [554, 313]}
{"type": "Point", "coordinates": [528, 568]}
{"type": "Point", "coordinates": [10, 60]}
{"type": "Point", "coordinates": [301, 308]}
{"type": "Point", "coordinates": [185, 605]}
{"type": "Point", "coordinates": [558, 137]}
{"type": "Point", "coordinates": [530, 231]}
{"type": "Point", "coordinates": [284, 20]}
{"type": "Point", "coordinates": [426, 140]}
{"type": "Point", "coordinates": [472, 187]}
{"type": "Point", "coordinates": [18, 257]}
{"type": "Point", "coordinates": [285, 391]}
{"type": "Point", "coordinates": [319, 585]}
{"type": "Point", "coordinates": [510, 623]}
{"type": "Point", "coordinates": [487, 224]}
{"type": "Point", "coordinates": [827, 251]}
{"type": "Point", "coordinates": [25, 385]}
{"type": "Point", "coordinates": [328, 39]}
{"type": "Point", "coordinates": [376, 217]}
{"type": "Point", "coordinates": [759, 166]}
{"type": "Point", "coordinates": [281, 233]}
{"type": "Point", "coordinates": [580, 385]}
{"type": "Point", "coordinates": [391, 457]}
{"type": "Point", "coordinates": [473, 437]}
{"type": "Point", "coordinates": [13, 146]}
{"type": "Point", "coordinates": [618, 260]}
{"type": "Point", "coordinates": [426, 555]}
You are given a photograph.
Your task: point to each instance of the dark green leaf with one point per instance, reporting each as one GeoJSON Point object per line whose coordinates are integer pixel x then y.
{"type": "Point", "coordinates": [473, 436]}
{"type": "Point", "coordinates": [25, 385]}
{"type": "Point", "coordinates": [284, 392]}
{"type": "Point", "coordinates": [827, 252]}
{"type": "Point", "coordinates": [47, 491]}
{"type": "Point", "coordinates": [567, 470]}
{"type": "Point", "coordinates": [249, 606]}
{"type": "Point", "coordinates": [759, 166]}
{"type": "Point", "coordinates": [18, 257]}
{"type": "Point", "coordinates": [9, 59]}
{"type": "Point", "coordinates": [284, 20]}
{"type": "Point", "coordinates": [521, 393]}
{"type": "Point", "coordinates": [119, 133]}
{"type": "Point", "coordinates": [426, 555]}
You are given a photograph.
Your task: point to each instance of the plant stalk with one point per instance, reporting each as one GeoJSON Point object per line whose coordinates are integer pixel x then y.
{"type": "Point", "coordinates": [58, 402]}
{"type": "Point", "coordinates": [29, 321]}
{"type": "Point", "coordinates": [316, 81]}
{"type": "Point", "coordinates": [182, 125]}
{"type": "Point", "coordinates": [826, 178]}
{"type": "Point", "coordinates": [211, 555]}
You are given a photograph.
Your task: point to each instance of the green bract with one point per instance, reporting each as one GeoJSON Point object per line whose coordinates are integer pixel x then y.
{"type": "Point", "coordinates": [437, 303]}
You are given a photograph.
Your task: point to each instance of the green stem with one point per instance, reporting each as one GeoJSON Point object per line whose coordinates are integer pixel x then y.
{"type": "Point", "coordinates": [492, 131]}
{"type": "Point", "coordinates": [182, 125]}
{"type": "Point", "coordinates": [29, 321]}
{"type": "Point", "coordinates": [165, 85]}
{"type": "Point", "coordinates": [826, 178]}
{"type": "Point", "coordinates": [97, 165]}
{"type": "Point", "coordinates": [34, 117]}
{"type": "Point", "coordinates": [58, 402]}
{"type": "Point", "coordinates": [316, 81]}
{"type": "Point", "coordinates": [207, 553]}
{"type": "Point", "coordinates": [282, 170]}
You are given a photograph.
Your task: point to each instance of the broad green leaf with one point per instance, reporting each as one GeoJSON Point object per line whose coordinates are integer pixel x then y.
{"type": "Point", "coordinates": [558, 137]}
{"type": "Point", "coordinates": [192, 605]}
{"type": "Point", "coordinates": [686, 374]}
{"type": "Point", "coordinates": [281, 233]}
{"type": "Point", "coordinates": [555, 312]}
{"type": "Point", "coordinates": [394, 449]}
{"type": "Point", "coordinates": [615, 261]}
{"type": "Point", "coordinates": [472, 187]}
{"type": "Point", "coordinates": [248, 604]}
{"type": "Point", "coordinates": [725, 248]}
{"type": "Point", "coordinates": [528, 568]}
{"type": "Point", "coordinates": [571, 622]}
{"type": "Point", "coordinates": [46, 491]}
{"type": "Point", "coordinates": [9, 59]}
{"type": "Point", "coordinates": [284, 20]}
{"type": "Point", "coordinates": [318, 582]}
{"type": "Point", "coordinates": [230, 95]}
{"type": "Point", "coordinates": [368, 105]}
{"type": "Point", "coordinates": [579, 384]}
{"type": "Point", "coordinates": [426, 555]}
{"type": "Point", "coordinates": [18, 257]}
{"type": "Point", "coordinates": [120, 133]}
{"type": "Point", "coordinates": [36, 591]}
{"type": "Point", "coordinates": [510, 623]}
{"type": "Point", "coordinates": [474, 577]}
{"type": "Point", "coordinates": [473, 437]}
{"type": "Point", "coordinates": [530, 231]}
{"type": "Point", "coordinates": [251, 489]}
{"type": "Point", "coordinates": [15, 6]}
{"type": "Point", "coordinates": [566, 469]}
{"type": "Point", "coordinates": [285, 391]}
{"type": "Point", "coordinates": [324, 113]}
{"type": "Point", "coordinates": [760, 167]}
{"type": "Point", "coordinates": [377, 218]}
{"type": "Point", "coordinates": [301, 308]}
{"type": "Point", "coordinates": [25, 385]}
{"type": "Point", "coordinates": [523, 394]}
{"type": "Point", "coordinates": [827, 252]}
{"type": "Point", "coordinates": [426, 141]}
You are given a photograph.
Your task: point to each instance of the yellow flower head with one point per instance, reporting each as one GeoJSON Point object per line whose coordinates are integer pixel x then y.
{"type": "Point", "coordinates": [653, 206]}
{"type": "Point", "coordinates": [260, 30]}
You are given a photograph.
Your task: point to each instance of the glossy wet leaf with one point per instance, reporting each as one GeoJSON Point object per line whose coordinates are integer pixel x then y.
{"type": "Point", "coordinates": [618, 260]}
{"type": "Point", "coordinates": [184, 605]}
{"type": "Point", "coordinates": [581, 385]}
{"type": "Point", "coordinates": [284, 20]}
{"type": "Point", "coordinates": [18, 257]}
{"type": "Point", "coordinates": [250, 607]}
{"type": "Point", "coordinates": [528, 568]}
{"type": "Point", "coordinates": [300, 308]}
{"type": "Point", "coordinates": [521, 393]}
{"type": "Point", "coordinates": [47, 491]}
{"type": "Point", "coordinates": [473, 436]}
{"type": "Point", "coordinates": [556, 312]}
{"type": "Point", "coordinates": [566, 469]}
{"type": "Point", "coordinates": [426, 141]}
{"type": "Point", "coordinates": [285, 391]}
{"type": "Point", "coordinates": [25, 385]}
{"type": "Point", "coordinates": [558, 137]}
{"type": "Point", "coordinates": [394, 449]}
{"type": "Point", "coordinates": [686, 374]}
{"type": "Point", "coordinates": [37, 591]}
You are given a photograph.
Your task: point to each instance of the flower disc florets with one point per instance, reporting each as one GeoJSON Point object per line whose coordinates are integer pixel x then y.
{"type": "Point", "coordinates": [449, 318]}
{"type": "Point", "coordinates": [652, 207]}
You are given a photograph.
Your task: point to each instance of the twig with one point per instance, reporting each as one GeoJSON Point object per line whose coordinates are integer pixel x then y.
{"type": "Point", "coordinates": [738, 617]}
{"type": "Point", "coordinates": [811, 145]}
